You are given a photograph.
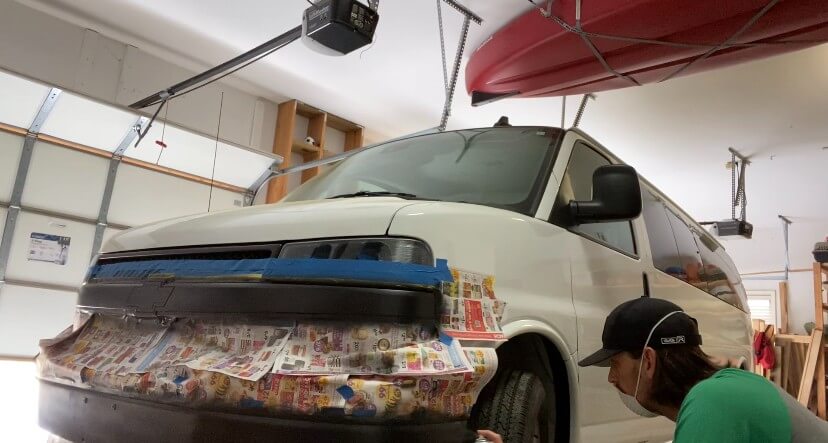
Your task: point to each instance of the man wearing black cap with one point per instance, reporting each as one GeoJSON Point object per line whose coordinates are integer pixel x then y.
{"type": "Point", "coordinates": [652, 348]}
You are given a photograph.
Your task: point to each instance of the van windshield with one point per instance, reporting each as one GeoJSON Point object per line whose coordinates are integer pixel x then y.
{"type": "Point", "coordinates": [503, 167]}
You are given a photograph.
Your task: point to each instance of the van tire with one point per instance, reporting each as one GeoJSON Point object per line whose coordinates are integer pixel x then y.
{"type": "Point", "coordinates": [517, 410]}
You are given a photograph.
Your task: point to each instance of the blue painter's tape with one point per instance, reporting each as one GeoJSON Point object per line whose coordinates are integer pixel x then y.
{"type": "Point", "coordinates": [445, 338]}
{"type": "Point", "coordinates": [154, 353]}
{"type": "Point", "coordinates": [281, 269]}
{"type": "Point", "coordinates": [249, 403]}
{"type": "Point", "coordinates": [359, 270]}
{"type": "Point", "coordinates": [456, 360]}
{"type": "Point", "coordinates": [442, 265]}
{"type": "Point", "coordinates": [345, 391]}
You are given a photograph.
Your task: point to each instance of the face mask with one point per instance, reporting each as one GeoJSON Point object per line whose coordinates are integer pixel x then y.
{"type": "Point", "coordinates": [631, 401]}
{"type": "Point", "coordinates": [633, 405]}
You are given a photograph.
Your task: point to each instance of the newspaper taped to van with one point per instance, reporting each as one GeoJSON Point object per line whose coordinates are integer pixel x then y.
{"type": "Point", "coordinates": [449, 394]}
{"type": "Point", "coordinates": [112, 345]}
{"type": "Point", "coordinates": [369, 349]}
{"type": "Point", "coordinates": [208, 364]}
{"type": "Point", "coordinates": [381, 396]}
{"type": "Point", "coordinates": [470, 309]}
{"type": "Point", "coordinates": [239, 350]}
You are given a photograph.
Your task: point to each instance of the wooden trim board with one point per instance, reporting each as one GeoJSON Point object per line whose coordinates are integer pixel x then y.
{"type": "Point", "coordinates": [792, 338]}
{"type": "Point", "coordinates": [282, 145]}
{"type": "Point", "coordinates": [59, 142]}
{"type": "Point", "coordinates": [13, 129]}
{"type": "Point", "coordinates": [809, 370]}
{"type": "Point", "coordinates": [783, 305]}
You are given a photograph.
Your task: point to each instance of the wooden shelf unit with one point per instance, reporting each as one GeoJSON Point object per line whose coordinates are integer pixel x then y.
{"type": "Point", "coordinates": [284, 142]}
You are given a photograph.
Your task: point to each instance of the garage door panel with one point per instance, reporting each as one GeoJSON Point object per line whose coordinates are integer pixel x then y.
{"type": "Point", "coordinates": [66, 181]}
{"type": "Point", "coordinates": [3, 213]}
{"type": "Point", "coordinates": [25, 266]}
{"type": "Point", "coordinates": [21, 100]}
{"type": "Point", "coordinates": [88, 122]}
{"type": "Point", "coordinates": [142, 196]}
{"type": "Point", "coordinates": [11, 145]}
{"type": "Point", "coordinates": [28, 314]}
{"type": "Point", "coordinates": [223, 199]}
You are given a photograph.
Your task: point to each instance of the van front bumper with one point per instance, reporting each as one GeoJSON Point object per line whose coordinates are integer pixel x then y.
{"type": "Point", "coordinates": [81, 415]}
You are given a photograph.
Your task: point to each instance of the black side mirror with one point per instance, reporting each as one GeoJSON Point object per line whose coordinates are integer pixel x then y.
{"type": "Point", "coordinates": [616, 195]}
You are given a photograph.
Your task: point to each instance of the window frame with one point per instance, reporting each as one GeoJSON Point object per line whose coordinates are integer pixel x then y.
{"type": "Point", "coordinates": [636, 254]}
{"type": "Point", "coordinates": [773, 296]}
{"type": "Point", "coordinates": [694, 231]}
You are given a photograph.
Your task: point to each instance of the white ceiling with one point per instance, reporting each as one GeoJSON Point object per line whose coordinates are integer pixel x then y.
{"type": "Point", "coordinates": [676, 133]}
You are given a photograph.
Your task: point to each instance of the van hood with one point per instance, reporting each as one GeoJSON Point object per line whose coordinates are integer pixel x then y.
{"type": "Point", "coordinates": [343, 217]}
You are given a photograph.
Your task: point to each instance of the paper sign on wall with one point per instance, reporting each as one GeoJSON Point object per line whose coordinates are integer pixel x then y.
{"type": "Point", "coordinates": [49, 248]}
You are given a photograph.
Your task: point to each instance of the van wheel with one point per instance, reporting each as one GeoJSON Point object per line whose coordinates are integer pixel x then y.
{"type": "Point", "coordinates": [518, 410]}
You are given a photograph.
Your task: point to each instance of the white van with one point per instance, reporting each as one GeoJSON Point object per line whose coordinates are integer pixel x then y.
{"type": "Point", "coordinates": [568, 231]}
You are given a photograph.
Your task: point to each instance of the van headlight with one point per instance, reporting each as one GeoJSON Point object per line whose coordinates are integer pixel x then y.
{"type": "Point", "coordinates": [402, 250]}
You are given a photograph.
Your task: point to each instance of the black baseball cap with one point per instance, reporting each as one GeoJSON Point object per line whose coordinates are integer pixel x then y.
{"type": "Point", "coordinates": [627, 326]}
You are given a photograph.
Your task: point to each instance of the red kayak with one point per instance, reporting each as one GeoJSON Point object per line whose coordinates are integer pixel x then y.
{"type": "Point", "coordinates": [621, 43]}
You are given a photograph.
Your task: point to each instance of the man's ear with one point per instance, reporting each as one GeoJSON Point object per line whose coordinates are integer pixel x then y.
{"type": "Point", "coordinates": [648, 359]}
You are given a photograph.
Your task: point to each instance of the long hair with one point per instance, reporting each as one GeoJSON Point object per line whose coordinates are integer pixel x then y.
{"type": "Point", "coordinates": [678, 369]}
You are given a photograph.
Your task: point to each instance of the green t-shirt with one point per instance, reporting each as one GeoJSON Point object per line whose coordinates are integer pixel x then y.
{"type": "Point", "coordinates": [733, 406]}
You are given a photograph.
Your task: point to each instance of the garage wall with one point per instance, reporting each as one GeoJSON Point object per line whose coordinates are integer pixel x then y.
{"type": "Point", "coordinates": [94, 71]}
{"type": "Point", "coordinates": [765, 253]}
{"type": "Point", "coordinates": [64, 188]}
{"type": "Point", "coordinates": [54, 51]}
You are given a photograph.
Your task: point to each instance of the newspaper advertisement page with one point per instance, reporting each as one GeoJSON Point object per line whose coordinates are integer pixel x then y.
{"type": "Point", "coordinates": [106, 344]}
{"type": "Point", "coordinates": [368, 349]}
{"type": "Point", "coordinates": [470, 309]}
{"type": "Point", "coordinates": [238, 350]}
{"type": "Point", "coordinates": [401, 396]}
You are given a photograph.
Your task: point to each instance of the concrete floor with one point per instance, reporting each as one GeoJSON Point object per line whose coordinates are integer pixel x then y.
{"type": "Point", "coordinates": [18, 403]}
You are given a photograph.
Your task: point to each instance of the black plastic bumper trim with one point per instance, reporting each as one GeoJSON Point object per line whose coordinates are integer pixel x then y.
{"type": "Point", "coordinates": [271, 300]}
{"type": "Point", "coordinates": [80, 415]}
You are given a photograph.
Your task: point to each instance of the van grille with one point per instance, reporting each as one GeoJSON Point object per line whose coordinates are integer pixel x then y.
{"type": "Point", "coordinates": [240, 252]}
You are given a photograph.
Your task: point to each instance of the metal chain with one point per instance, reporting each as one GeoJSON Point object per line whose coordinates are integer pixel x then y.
{"type": "Point", "coordinates": [466, 13]}
{"type": "Point", "coordinates": [581, 109]}
{"type": "Point", "coordinates": [461, 46]}
{"type": "Point", "coordinates": [743, 197]}
{"type": "Point", "coordinates": [442, 45]}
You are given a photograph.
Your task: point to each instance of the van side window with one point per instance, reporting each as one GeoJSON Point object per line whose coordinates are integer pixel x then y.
{"type": "Point", "coordinates": [576, 184]}
{"type": "Point", "coordinates": [720, 279]}
{"type": "Point", "coordinates": [688, 254]}
{"type": "Point", "coordinates": [662, 242]}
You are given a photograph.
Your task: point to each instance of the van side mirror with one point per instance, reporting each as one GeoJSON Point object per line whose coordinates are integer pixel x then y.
{"type": "Point", "coordinates": [616, 195]}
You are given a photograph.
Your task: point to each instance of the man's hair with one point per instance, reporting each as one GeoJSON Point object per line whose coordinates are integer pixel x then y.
{"type": "Point", "coordinates": [678, 369]}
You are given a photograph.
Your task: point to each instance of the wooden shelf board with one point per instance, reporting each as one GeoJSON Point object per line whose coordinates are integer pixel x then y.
{"type": "Point", "coordinates": [792, 338]}
{"type": "Point", "coordinates": [341, 124]}
{"type": "Point", "coordinates": [335, 122]}
{"type": "Point", "coordinates": [307, 111]}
